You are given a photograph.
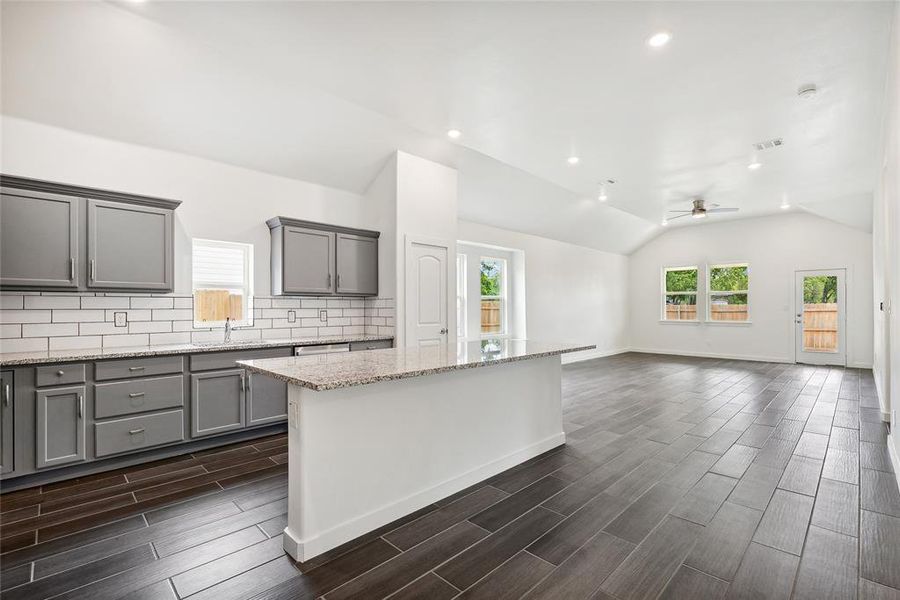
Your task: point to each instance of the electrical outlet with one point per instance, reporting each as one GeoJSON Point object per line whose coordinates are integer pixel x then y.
{"type": "Point", "coordinates": [323, 315]}
{"type": "Point", "coordinates": [292, 316]}
{"type": "Point", "coordinates": [121, 319]}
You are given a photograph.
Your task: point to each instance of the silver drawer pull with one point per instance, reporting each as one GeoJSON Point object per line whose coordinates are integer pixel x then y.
{"type": "Point", "coordinates": [136, 368]}
{"type": "Point", "coordinates": [6, 395]}
{"type": "Point", "coordinates": [60, 373]}
{"type": "Point", "coordinates": [136, 431]}
{"type": "Point", "coordinates": [136, 394]}
{"type": "Point", "coordinates": [80, 407]}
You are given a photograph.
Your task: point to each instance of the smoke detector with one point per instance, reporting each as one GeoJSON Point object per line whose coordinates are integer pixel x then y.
{"type": "Point", "coordinates": [807, 90]}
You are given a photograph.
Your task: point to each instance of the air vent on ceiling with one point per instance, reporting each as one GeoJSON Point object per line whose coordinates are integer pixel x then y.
{"type": "Point", "coordinates": [768, 144]}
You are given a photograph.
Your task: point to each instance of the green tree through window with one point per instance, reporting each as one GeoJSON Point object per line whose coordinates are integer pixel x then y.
{"type": "Point", "coordinates": [820, 289]}
{"type": "Point", "coordinates": [490, 278]}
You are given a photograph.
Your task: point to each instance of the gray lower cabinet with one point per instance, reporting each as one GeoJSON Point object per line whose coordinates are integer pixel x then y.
{"type": "Point", "coordinates": [7, 421]}
{"type": "Point", "coordinates": [137, 433]}
{"type": "Point", "coordinates": [129, 246]}
{"type": "Point", "coordinates": [218, 402]}
{"type": "Point", "coordinates": [60, 426]}
{"type": "Point", "coordinates": [38, 239]}
{"type": "Point", "coordinates": [307, 261]}
{"type": "Point", "coordinates": [266, 400]}
{"type": "Point", "coordinates": [357, 264]}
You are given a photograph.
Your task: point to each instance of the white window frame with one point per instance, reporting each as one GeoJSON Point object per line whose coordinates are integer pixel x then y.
{"type": "Point", "coordinates": [710, 293]}
{"type": "Point", "coordinates": [664, 293]}
{"type": "Point", "coordinates": [461, 295]}
{"type": "Point", "coordinates": [246, 289]}
{"type": "Point", "coordinates": [503, 297]}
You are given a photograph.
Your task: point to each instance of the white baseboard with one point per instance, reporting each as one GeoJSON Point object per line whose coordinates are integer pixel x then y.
{"type": "Point", "coordinates": [857, 365]}
{"type": "Point", "coordinates": [895, 458]}
{"type": "Point", "coordinates": [590, 355]}
{"type": "Point", "coordinates": [774, 359]}
{"type": "Point", "coordinates": [303, 549]}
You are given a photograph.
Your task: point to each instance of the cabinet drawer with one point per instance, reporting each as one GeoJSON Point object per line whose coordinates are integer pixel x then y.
{"type": "Point", "coordinates": [138, 367]}
{"type": "Point", "coordinates": [226, 360]}
{"type": "Point", "coordinates": [137, 395]}
{"type": "Point", "coordinates": [374, 345]}
{"type": "Point", "coordinates": [59, 374]}
{"type": "Point", "coordinates": [137, 433]}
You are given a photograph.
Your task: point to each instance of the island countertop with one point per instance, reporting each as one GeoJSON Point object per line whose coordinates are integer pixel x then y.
{"type": "Point", "coordinates": [348, 369]}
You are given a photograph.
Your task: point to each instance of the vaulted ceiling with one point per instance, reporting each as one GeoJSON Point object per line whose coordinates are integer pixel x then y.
{"type": "Point", "coordinates": [326, 91]}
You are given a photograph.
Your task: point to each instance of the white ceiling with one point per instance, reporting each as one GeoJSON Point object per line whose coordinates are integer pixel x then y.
{"type": "Point", "coordinates": [325, 91]}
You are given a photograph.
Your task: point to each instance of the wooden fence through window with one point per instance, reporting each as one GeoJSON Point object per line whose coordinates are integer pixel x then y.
{"type": "Point", "coordinates": [490, 316]}
{"type": "Point", "coordinates": [820, 327]}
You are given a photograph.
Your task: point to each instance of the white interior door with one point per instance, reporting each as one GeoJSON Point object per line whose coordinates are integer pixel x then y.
{"type": "Point", "coordinates": [426, 292]}
{"type": "Point", "coordinates": [820, 322]}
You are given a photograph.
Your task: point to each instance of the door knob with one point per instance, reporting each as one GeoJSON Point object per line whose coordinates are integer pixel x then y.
{"type": "Point", "coordinates": [444, 331]}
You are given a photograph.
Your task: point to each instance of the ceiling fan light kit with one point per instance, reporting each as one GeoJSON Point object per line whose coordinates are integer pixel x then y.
{"type": "Point", "coordinates": [700, 211]}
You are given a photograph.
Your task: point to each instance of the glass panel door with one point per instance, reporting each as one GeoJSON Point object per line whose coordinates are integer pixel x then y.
{"type": "Point", "coordinates": [820, 317]}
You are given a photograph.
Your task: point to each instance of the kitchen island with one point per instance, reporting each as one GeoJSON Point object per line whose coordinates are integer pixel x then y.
{"type": "Point", "coordinates": [374, 436]}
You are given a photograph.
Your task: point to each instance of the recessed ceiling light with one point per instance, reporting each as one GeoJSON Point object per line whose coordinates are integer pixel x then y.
{"type": "Point", "coordinates": [454, 133]}
{"type": "Point", "coordinates": [665, 223]}
{"type": "Point", "coordinates": [658, 40]}
{"type": "Point", "coordinates": [785, 206]}
{"type": "Point", "coordinates": [754, 165]}
{"type": "Point", "coordinates": [602, 196]}
{"type": "Point", "coordinates": [573, 160]}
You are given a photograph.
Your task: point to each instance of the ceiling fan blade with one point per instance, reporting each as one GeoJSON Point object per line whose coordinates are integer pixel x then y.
{"type": "Point", "coordinates": [679, 216]}
{"type": "Point", "coordinates": [721, 210]}
{"type": "Point", "coordinates": [679, 211]}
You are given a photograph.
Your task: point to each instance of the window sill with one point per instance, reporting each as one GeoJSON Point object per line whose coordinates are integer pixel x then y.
{"type": "Point", "coordinates": [730, 323]}
{"type": "Point", "coordinates": [679, 322]}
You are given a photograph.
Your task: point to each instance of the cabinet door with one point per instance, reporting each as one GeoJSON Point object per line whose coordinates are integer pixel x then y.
{"type": "Point", "coordinates": [129, 246]}
{"type": "Point", "coordinates": [217, 402]}
{"type": "Point", "coordinates": [307, 262]}
{"type": "Point", "coordinates": [38, 240]}
{"type": "Point", "coordinates": [6, 422]}
{"type": "Point", "coordinates": [266, 400]}
{"type": "Point", "coordinates": [357, 264]}
{"type": "Point", "coordinates": [60, 426]}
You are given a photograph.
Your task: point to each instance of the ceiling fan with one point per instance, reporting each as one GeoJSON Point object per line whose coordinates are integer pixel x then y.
{"type": "Point", "coordinates": [700, 210]}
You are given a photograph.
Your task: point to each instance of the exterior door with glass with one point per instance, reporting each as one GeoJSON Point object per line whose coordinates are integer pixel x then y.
{"type": "Point", "coordinates": [820, 323]}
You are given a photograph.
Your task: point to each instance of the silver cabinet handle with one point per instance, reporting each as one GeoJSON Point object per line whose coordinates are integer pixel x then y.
{"type": "Point", "coordinates": [72, 269]}
{"type": "Point", "coordinates": [6, 394]}
{"type": "Point", "coordinates": [243, 383]}
{"type": "Point", "coordinates": [247, 381]}
{"type": "Point", "coordinates": [80, 407]}
{"type": "Point", "coordinates": [60, 373]}
{"type": "Point", "coordinates": [329, 280]}
{"type": "Point", "coordinates": [92, 270]}
{"type": "Point", "coordinates": [136, 431]}
{"type": "Point", "coordinates": [338, 280]}
{"type": "Point", "coordinates": [136, 394]}
{"type": "Point", "coordinates": [136, 368]}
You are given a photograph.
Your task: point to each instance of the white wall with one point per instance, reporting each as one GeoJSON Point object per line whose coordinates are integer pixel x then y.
{"type": "Point", "coordinates": [572, 293]}
{"type": "Point", "coordinates": [774, 247]}
{"type": "Point", "coordinates": [886, 246]}
{"type": "Point", "coordinates": [219, 201]}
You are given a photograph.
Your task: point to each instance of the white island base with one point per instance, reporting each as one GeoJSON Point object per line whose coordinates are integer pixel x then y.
{"type": "Point", "coordinates": [360, 457]}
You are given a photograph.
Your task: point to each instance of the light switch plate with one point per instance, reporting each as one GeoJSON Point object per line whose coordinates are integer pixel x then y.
{"type": "Point", "coordinates": [323, 315]}
{"type": "Point", "coordinates": [121, 319]}
{"type": "Point", "coordinates": [292, 316]}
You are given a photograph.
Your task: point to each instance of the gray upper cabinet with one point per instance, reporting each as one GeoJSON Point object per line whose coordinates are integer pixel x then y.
{"type": "Point", "coordinates": [6, 422]}
{"type": "Point", "coordinates": [318, 259]}
{"type": "Point", "coordinates": [38, 239]}
{"type": "Point", "coordinates": [60, 426]}
{"type": "Point", "coordinates": [129, 246]}
{"type": "Point", "coordinates": [357, 264]}
{"type": "Point", "coordinates": [58, 236]}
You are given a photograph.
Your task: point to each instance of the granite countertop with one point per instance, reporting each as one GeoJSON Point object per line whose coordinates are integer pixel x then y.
{"type": "Point", "coordinates": [333, 371]}
{"type": "Point", "coordinates": [10, 359]}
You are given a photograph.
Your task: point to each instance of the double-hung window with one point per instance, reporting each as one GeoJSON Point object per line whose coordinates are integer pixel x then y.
{"type": "Point", "coordinates": [679, 294]}
{"type": "Point", "coordinates": [222, 283]}
{"type": "Point", "coordinates": [493, 296]}
{"type": "Point", "coordinates": [728, 292]}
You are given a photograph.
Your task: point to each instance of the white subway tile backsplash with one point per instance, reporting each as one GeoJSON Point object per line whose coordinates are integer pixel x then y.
{"type": "Point", "coordinates": [152, 303]}
{"type": "Point", "coordinates": [24, 316]}
{"type": "Point", "coordinates": [118, 341]}
{"type": "Point", "coordinates": [10, 330]}
{"type": "Point", "coordinates": [23, 345]}
{"type": "Point", "coordinates": [76, 343]}
{"type": "Point", "coordinates": [104, 302]}
{"type": "Point", "coordinates": [40, 302]}
{"type": "Point", "coordinates": [73, 320]}
{"type": "Point", "coordinates": [79, 316]}
{"type": "Point", "coordinates": [49, 329]}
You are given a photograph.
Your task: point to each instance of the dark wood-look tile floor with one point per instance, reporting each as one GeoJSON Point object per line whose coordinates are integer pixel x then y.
{"type": "Point", "coordinates": [681, 478]}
